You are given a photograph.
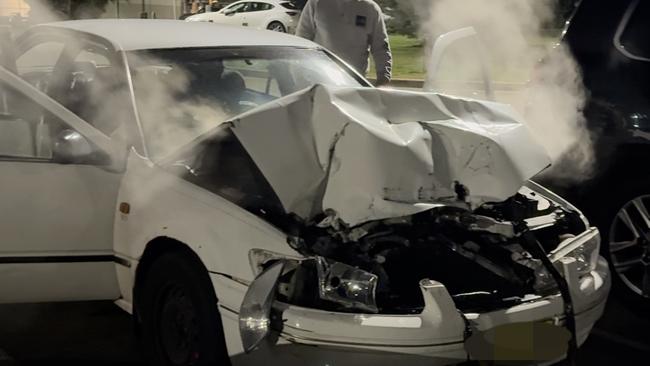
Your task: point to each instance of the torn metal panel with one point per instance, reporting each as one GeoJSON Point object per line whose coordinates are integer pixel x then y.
{"type": "Point", "coordinates": [370, 154]}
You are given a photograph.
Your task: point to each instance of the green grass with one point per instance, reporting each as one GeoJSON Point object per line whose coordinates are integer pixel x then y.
{"type": "Point", "coordinates": [408, 60]}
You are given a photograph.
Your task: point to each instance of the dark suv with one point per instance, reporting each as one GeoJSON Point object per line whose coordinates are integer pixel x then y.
{"type": "Point", "coordinates": [611, 41]}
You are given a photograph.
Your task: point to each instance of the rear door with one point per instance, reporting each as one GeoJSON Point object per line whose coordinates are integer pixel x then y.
{"type": "Point", "coordinates": [257, 15]}
{"type": "Point", "coordinates": [59, 178]}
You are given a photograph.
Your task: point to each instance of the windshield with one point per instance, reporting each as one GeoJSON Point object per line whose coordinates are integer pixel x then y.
{"type": "Point", "coordinates": [183, 93]}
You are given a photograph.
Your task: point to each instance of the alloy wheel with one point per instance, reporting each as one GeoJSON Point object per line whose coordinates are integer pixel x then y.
{"type": "Point", "coordinates": [277, 27]}
{"type": "Point", "coordinates": [629, 245]}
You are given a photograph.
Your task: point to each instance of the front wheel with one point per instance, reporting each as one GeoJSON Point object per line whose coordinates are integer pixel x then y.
{"type": "Point", "coordinates": [180, 318]}
{"type": "Point", "coordinates": [277, 27]}
{"type": "Point", "coordinates": [626, 241]}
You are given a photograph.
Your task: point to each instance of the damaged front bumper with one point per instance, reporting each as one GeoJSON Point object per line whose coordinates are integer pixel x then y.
{"type": "Point", "coordinates": [394, 179]}
{"type": "Point", "coordinates": [440, 334]}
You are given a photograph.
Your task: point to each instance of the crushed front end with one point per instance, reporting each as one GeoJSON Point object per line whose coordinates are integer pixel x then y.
{"type": "Point", "coordinates": [444, 285]}
{"type": "Point", "coordinates": [416, 231]}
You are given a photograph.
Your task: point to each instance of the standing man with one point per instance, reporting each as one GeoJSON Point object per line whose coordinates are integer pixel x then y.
{"type": "Point", "coordinates": [352, 29]}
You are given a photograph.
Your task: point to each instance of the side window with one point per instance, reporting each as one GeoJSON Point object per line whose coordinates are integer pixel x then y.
{"type": "Point", "coordinates": [636, 36]}
{"type": "Point", "coordinates": [26, 130]}
{"type": "Point", "coordinates": [265, 6]}
{"type": "Point", "coordinates": [96, 90]}
{"type": "Point", "coordinates": [239, 8]}
{"type": "Point", "coordinates": [7, 59]}
{"type": "Point", "coordinates": [37, 63]}
{"type": "Point", "coordinates": [260, 6]}
{"type": "Point", "coordinates": [255, 75]}
{"type": "Point", "coordinates": [41, 57]}
{"type": "Point", "coordinates": [97, 58]}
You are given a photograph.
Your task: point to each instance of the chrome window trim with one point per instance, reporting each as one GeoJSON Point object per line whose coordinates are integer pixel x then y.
{"type": "Point", "coordinates": [621, 29]}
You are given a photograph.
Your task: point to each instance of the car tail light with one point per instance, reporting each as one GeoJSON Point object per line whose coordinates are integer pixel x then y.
{"type": "Point", "coordinates": [292, 13]}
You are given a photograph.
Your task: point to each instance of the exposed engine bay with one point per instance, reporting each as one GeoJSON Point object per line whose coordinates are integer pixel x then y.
{"type": "Point", "coordinates": [376, 202]}
{"type": "Point", "coordinates": [479, 256]}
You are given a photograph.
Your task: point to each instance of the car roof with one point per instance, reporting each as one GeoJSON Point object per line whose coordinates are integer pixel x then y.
{"type": "Point", "coordinates": [143, 34]}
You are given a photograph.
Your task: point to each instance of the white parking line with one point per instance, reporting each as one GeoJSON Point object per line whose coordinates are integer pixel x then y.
{"type": "Point", "coordinates": [630, 343]}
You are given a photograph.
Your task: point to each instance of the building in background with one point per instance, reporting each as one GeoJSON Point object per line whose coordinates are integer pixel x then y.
{"type": "Point", "coordinates": [160, 9]}
{"type": "Point", "coordinates": [12, 8]}
{"type": "Point", "coordinates": [164, 9]}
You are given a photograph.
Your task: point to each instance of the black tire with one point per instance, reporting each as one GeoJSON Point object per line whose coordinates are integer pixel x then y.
{"type": "Point", "coordinates": [608, 221]}
{"type": "Point", "coordinates": [180, 322]}
{"type": "Point", "coordinates": [277, 27]}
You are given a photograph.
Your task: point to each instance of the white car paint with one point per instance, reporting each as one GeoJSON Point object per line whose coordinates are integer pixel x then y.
{"type": "Point", "coordinates": [442, 44]}
{"type": "Point", "coordinates": [433, 139]}
{"type": "Point", "coordinates": [243, 13]}
{"type": "Point", "coordinates": [219, 232]}
{"type": "Point", "coordinates": [77, 221]}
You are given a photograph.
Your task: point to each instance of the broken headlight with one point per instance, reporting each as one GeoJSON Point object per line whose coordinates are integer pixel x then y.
{"type": "Point", "coordinates": [346, 285]}
{"type": "Point", "coordinates": [331, 282]}
{"type": "Point", "coordinates": [584, 248]}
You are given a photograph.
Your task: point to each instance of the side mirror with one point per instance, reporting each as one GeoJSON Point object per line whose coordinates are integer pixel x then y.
{"type": "Point", "coordinates": [70, 147]}
{"type": "Point", "coordinates": [229, 13]}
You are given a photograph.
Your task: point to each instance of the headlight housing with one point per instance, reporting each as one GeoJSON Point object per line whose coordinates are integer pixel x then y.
{"type": "Point", "coordinates": [584, 248]}
{"type": "Point", "coordinates": [346, 285]}
{"type": "Point", "coordinates": [335, 284]}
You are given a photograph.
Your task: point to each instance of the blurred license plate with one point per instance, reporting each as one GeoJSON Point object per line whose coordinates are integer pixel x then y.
{"type": "Point", "coordinates": [529, 341]}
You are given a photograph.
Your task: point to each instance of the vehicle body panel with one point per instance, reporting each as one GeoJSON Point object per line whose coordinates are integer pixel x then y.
{"type": "Point", "coordinates": [345, 339]}
{"type": "Point", "coordinates": [39, 227]}
{"type": "Point", "coordinates": [360, 143]}
{"type": "Point", "coordinates": [153, 203]}
{"type": "Point", "coordinates": [170, 207]}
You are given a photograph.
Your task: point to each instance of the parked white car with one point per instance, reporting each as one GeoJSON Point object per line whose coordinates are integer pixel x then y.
{"type": "Point", "coordinates": [276, 15]}
{"type": "Point", "coordinates": [251, 199]}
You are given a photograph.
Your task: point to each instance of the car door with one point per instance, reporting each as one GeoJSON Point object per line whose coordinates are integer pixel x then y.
{"type": "Point", "coordinates": [255, 14]}
{"type": "Point", "coordinates": [59, 178]}
{"type": "Point", "coordinates": [235, 14]}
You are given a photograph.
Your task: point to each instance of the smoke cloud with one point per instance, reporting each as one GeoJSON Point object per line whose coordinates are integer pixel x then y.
{"type": "Point", "coordinates": [169, 117]}
{"type": "Point", "coordinates": [543, 83]}
{"type": "Point", "coordinates": [50, 11]}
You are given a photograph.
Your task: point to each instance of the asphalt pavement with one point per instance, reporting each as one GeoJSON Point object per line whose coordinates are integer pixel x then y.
{"type": "Point", "coordinates": [99, 333]}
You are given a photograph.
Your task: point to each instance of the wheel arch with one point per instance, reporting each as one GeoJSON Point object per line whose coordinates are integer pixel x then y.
{"type": "Point", "coordinates": [153, 250]}
{"type": "Point", "coordinates": [275, 20]}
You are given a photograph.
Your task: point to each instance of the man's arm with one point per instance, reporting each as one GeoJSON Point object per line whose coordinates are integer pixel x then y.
{"type": "Point", "coordinates": [307, 25]}
{"type": "Point", "coordinates": [380, 49]}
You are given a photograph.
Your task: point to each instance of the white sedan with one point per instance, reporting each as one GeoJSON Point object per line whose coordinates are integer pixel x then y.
{"type": "Point", "coordinates": [276, 15]}
{"type": "Point", "coordinates": [250, 199]}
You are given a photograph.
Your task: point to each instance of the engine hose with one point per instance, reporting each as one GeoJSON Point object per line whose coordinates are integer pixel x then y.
{"type": "Point", "coordinates": [535, 248]}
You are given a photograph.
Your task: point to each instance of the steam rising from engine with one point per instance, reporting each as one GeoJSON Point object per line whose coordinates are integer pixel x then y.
{"type": "Point", "coordinates": [513, 38]}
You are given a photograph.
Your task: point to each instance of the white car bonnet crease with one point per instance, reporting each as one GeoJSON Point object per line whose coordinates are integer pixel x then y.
{"type": "Point", "coordinates": [367, 154]}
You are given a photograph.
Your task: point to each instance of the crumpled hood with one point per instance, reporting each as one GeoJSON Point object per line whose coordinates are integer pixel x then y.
{"type": "Point", "coordinates": [370, 154]}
